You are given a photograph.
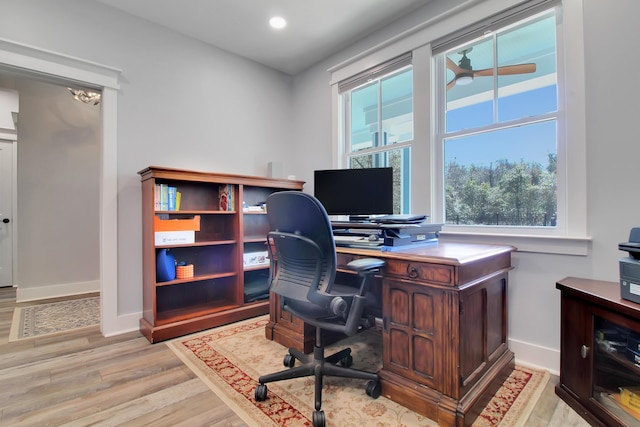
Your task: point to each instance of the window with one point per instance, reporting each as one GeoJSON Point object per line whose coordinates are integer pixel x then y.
{"type": "Point", "coordinates": [497, 127]}
{"type": "Point", "coordinates": [378, 123]}
{"type": "Point", "coordinates": [501, 159]}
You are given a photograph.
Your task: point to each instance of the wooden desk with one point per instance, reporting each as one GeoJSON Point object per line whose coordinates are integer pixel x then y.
{"type": "Point", "coordinates": [444, 335]}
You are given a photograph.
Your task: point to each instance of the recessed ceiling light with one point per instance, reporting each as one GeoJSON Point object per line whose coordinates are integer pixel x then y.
{"type": "Point", "coordinates": [277, 22]}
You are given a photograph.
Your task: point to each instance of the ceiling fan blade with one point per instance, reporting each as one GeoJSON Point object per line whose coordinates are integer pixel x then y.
{"type": "Point", "coordinates": [451, 84]}
{"type": "Point", "coordinates": [454, 67]}
{"type": "Point", "coordinates": [507, 70]}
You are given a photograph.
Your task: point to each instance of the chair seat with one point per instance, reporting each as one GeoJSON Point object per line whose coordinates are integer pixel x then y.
{"type": "Point", "coordinates": [300, 309]}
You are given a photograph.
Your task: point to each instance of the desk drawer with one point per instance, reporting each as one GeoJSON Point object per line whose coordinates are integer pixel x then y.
{"type": "Point", "coordinates": [432, 273]}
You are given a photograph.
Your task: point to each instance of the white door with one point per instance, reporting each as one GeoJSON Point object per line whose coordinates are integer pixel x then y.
{"type": "Point", "coordinates": [6, 209]}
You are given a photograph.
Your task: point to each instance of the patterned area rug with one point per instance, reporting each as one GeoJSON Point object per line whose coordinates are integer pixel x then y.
{"type": "Point", "coordinates": [229, 360]}
{"type": "Point", "coordinates": [57, 317]}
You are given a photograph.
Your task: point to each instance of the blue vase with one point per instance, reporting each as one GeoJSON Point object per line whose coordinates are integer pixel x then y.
{"type": "Point", "coordinates": [165, 266]}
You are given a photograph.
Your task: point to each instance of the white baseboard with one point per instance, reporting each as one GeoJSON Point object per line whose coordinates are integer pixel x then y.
{"type": "Point", "coordinates": [54, 291]}
{"type": "Point", "coordinates": [124, 323]}
{"type": "Point", "coordinates": [535, 356]}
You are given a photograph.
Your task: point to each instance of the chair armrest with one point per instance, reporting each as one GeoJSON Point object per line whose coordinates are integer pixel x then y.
{"type": "Point", "coordinates": [366, 269]}
{"type": "Point", "coordinates": [365, 264]}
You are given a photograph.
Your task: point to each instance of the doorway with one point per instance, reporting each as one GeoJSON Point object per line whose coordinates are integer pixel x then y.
{"type": "Point", "coordinates": [58, 163]}
{"type": "Point", "coordinates": [6, 212]}
{"type": "Point", "coordinates": [34, 61]}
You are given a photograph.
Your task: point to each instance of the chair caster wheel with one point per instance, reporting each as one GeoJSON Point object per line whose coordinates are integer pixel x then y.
{"type": "Point", "coordinates": [347, 361]}
{"type": "Point", "coordinates": [318, 419]}
{"type": "Point", "coordinates": [289, 361]}
{"type": "Point", "coordinates": [374, 389]}
{"type": "Point", "coordinates": [261, 393]}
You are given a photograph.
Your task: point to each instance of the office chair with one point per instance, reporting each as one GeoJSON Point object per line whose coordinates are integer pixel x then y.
{"type": "Point", "coordinates": [303, 269]}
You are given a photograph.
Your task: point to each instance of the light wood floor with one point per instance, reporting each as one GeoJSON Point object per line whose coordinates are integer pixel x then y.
{"type": "Point", "coordinates": [83, 379]}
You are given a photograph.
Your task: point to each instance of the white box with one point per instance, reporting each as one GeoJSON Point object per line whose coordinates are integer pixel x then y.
{"type": "Point", "coordinates": [256, 258]}
{"type": "Point", "coordinates": [165, 238]}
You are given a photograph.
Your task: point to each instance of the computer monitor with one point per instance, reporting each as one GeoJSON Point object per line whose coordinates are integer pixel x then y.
{"type": "Point", "coordinates": [358, 193]}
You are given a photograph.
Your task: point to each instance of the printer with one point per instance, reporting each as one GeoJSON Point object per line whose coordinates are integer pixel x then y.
{"type": "Point", "coordinates": [630, 267]}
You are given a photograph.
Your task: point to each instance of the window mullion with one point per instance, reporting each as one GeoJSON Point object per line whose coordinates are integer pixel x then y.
{"type": "Point", "coordinates": [382, 149]}
{"type": "Point", "coordinates": [347, 129]}
{"type": "Point", "coordinates": [380, 134]}
{"type": "Point", "coordinates": [495, 77]}
{"type": "Point", "coordinates": [501, 126]}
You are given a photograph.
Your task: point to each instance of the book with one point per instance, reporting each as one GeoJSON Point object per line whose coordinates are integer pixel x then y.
{"type": "Point", "coordinates": [178, 200]}
{"type": "Point", "coordinates": [156, 197]}
{"type": "Point", "coordinates": [225, 197]}
{"type": "Point", "coordinates": [630, 397]}
{"type": "Point", "coordinates": [623, 404]}
{"type": "Point", "coordinates": [171, 198]}
{"type": "Point", "coordinates": [164, 197]}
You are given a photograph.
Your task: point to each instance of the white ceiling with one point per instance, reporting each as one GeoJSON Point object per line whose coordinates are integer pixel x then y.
{"type": "Point", "coordinates": [316, 28]}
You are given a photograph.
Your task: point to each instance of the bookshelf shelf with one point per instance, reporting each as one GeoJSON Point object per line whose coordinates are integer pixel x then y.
{"type": "Point", "coordinates": [257, 267]}
{"type": "Point", "coordinates": [195, 212]}
{"type": "Point", "coordinates": [255, 239]}
{"type": "Point", "coordinates": [217, 293]}
{"type": "Point", "coordinates": [196, 278]}
{"type": "Point", "coordinates": [186, 313]}
{"type": "Point", "coordinates": [204, 243]}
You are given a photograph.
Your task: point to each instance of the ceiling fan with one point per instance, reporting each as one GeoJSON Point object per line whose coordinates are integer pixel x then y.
{"type": "Point", "coordinates": [464, 73]}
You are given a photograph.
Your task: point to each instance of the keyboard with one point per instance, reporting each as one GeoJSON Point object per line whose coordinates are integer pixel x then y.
{"type": "Point", "coordinates": [357, 242]}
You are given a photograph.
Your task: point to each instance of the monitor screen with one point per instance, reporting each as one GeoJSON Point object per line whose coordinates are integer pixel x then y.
{"type": "Point", "coordinates": [355, 192]}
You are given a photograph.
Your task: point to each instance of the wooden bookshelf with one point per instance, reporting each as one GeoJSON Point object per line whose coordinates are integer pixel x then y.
{"type": "Point", "coordinates": [215, 295]}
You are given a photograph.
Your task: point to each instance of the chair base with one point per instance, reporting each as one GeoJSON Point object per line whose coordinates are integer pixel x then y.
{"type": "Point", "coordinates": [319, 366]}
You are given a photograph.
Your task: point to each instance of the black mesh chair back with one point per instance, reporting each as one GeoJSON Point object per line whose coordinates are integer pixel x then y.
{"type": "Point", "coordinates": [302, 242]}
{"type": "Point", "coordinates": [294, 212]}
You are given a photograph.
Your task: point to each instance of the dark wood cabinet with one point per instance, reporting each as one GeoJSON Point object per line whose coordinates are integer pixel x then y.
{"type": "Point", "coordinates": [444, 327]}
{"type": "Point", "coordinates": [598, 332]}
{"type": "Point", "coordinates": [411, 332]}
{"type": "Point", "coordinates": [217, 291]}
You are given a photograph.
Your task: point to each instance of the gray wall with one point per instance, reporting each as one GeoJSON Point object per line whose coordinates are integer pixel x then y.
{"type": "Point", "coordinates": [185, 104]}
{"type": "Point", "coordinates": [58, 188]}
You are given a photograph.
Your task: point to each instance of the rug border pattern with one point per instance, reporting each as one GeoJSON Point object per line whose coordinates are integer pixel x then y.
{"type": "Point", "coordinates": [18, 329]}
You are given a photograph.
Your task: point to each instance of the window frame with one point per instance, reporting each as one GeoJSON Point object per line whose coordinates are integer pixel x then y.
{"type": "Point", "coordinates": [427, 173]}
{"type": "Point", "coordinates": [497, 125]}
{"type": "Point", "coordinates": [346, 152]}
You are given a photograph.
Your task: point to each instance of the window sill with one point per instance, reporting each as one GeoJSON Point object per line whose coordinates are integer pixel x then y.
{"type": "Point", "coordinates": [562, 245]}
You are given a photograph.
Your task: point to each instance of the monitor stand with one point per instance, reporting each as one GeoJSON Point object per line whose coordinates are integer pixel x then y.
{"type": "Point", "coordinates": [359, 218]}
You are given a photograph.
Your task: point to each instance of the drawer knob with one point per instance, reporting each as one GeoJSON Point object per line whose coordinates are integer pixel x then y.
{"type": "Point", "coordinates": [584, 351]}
{"type": "Point", "coordinates": [412, 272]}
